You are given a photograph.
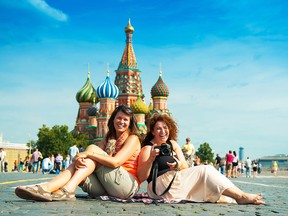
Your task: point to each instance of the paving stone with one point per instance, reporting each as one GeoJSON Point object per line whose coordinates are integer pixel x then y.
{"type": "Point", "coordinates": [275, 190]}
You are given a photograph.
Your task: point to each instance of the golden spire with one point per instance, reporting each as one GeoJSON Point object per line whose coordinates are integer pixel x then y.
{"type": "Point", "coordinates": [160, 72]}
{"type": "Point", "coordinates": [129, 28]}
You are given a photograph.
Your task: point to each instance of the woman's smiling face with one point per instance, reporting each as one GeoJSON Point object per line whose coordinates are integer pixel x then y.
{"type": "Point", "coordinates": [121, 122]}
{"type": "Point", "coordinates": [160, 132]}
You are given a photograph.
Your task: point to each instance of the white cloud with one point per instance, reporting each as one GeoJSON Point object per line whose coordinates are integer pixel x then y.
{"type": "Point", "coordinates": [42, 6]}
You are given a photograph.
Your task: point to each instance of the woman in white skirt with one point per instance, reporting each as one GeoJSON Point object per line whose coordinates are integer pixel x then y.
{"type": "Point", "coordinates": [174, 179]}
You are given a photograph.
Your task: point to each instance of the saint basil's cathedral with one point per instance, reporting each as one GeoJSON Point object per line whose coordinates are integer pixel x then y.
{"type": "Point", "coordinates": [97, 105]}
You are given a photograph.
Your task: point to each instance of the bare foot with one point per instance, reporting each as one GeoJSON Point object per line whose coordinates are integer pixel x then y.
{"type": "Point", "coordinates": [247, 198]}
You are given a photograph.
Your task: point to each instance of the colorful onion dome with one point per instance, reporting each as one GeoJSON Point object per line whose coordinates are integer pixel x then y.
{"type": "Point", "coordinates": [150, 107]}
{"type": "Point", "coordinates": [139, 106]}
{"type": "Point", "coordinates": [160, 88]}
{"type": "Point", "coordinates": [107, 89]}
{"type": "Point", "coordinates": [87, 93]}
{"type": "Point", "coordinates": [129, 28]}
{"type": "Point", "coordinates": [92, 111]}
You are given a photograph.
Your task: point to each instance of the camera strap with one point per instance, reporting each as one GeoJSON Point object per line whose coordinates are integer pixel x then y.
{"type": "Point", "coordinates": [154, 177]}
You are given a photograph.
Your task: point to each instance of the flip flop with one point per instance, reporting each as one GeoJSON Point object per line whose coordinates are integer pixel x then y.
{"type": "Point", "coordinates": [29, 193]}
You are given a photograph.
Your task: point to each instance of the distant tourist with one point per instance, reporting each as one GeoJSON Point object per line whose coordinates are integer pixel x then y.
{"type": "Point", "coordinates": [2, 159]}
{"type": "Point", "coordinates": [67, 161]}
{"type": "Point", "coordinates": [81, 148]}
{"type": "Point", "coordinates": [73, 151]}
{"type": "Point", "coordinates": [36, 157]}
{"type": "Point", "coordinates": [234, 165]}
{"type": "Point", "coordinates": [229, 164]}
{"type": "Point", "coordinates": [6, 166]}
{"type": "Point", "coordinates": [58, 163]}
{"type": "Point", "coordinates": [222, 165]}
{"type": "Point", "coordinates": [47, 165]}
{"type": "Point", "coordinates": [188, 151]}
{"type": "Point", "coordinates": [248, 164]}
{"type": "Point", "coordinates": [275, 168]}
{"type": "Point", "coordinates": [14, 169]}
{"type": "Point", "coordinates": [21, 164]}
{"type": "Point", "coordinates": [254, 167]}
{"type": "Point", "coordinates": [259, 168]}
{"type": "Point", "coordinates": [197, 161]}
{"type": "Point", "coordinates": [217, 162]}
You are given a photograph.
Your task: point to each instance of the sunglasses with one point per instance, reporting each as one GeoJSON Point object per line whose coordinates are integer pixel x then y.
{"type": "Point", "coordinates": [124, 108]}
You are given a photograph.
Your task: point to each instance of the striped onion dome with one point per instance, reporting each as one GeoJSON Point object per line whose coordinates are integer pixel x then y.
{"type": "Point", "coordinates": [139, 106]}
{"type": "Point", "coordinates": [160, 88]}
{"type": "Point", "coordinates": [107, 89]}
{"type": "Point", "coordinates": [92, 111]}
{"type": "Point", "coordinates": [87, 93]}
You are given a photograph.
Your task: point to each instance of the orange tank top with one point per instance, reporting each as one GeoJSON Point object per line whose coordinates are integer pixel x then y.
{"type": "Point", "coordinates": [131, 165]}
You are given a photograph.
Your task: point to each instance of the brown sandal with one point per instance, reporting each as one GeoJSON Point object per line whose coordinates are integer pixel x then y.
{"type": "Point", "coordinates": [30, 193]}
{"type": "Point", "coordinates": [64, 196]}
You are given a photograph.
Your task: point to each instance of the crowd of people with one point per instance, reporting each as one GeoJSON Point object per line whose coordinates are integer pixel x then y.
{"type": "Point", "coordinates": [35, 162]}
{"type": "Point", "coordinates": [121, 162]}
{"type": "Point", "coordinates": [230, 166]}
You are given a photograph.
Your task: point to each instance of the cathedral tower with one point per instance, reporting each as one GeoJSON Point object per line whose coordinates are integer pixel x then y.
{"type": "Point", "coordinates": [128, 77]}
{"type": "Point", "coordinates": [159, 94]}
{"type": "Point", "coordinates": [107, 93]}
{"type": "Point", "coordinates": [84, 97]}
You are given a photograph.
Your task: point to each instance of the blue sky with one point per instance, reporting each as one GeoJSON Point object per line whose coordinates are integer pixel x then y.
{"type": "Point", "coordinates": [224, 62]}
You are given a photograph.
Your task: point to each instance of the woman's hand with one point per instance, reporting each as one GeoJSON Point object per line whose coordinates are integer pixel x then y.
{"type": "Point", "coordinates": [80, 163]}
{"type": "Point", "coordinates": [154, 152]}
{"type": "Point", "coordinates": [82, 155]}
{"type": "Point", "coordinates": [175, 165]}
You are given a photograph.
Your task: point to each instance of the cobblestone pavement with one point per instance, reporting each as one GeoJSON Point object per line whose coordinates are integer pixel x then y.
{"type": "Point", "coordinates": [274, 188]}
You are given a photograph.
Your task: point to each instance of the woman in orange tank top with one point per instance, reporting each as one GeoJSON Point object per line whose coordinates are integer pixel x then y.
{"type": "Point", "coordinates": [109, 169]}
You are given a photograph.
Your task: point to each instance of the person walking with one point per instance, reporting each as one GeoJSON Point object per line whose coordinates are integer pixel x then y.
{"type": "Point", "coordinates": [229, 164]}
{"type": "Point", "coordinates": [36, 156]}
{"type": "Point", "coordinates": [275, 168]}
{"type": "Point", "coordinates": [173, 179]}
{"type": "Point", "coordinates": [254, 168]}
{"type": "Point", "coordinates": [234, 165]}
{"type": "Point", "coordinates": [58, 163]}
{"type": "Point", "coordinates": [2, 159]}
{"type": "Point", "coordinates": [248, 164]}
{"type": "Point", "coordinates": [73, 151]}
{"type": "Point", "coordinates": [110, 169]}
{"type": "Point", "coordinates": [217, 162]}
{"type": "Point", "coordinates": [188, 151]}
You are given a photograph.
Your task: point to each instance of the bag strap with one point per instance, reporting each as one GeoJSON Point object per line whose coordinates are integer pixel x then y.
{"type": "Point", "coordinates": [154, 177]}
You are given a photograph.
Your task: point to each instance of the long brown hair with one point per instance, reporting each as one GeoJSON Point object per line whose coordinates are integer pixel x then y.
{"type": "Point", "coordinates": [132, 126]}
{"type": "Point", "coordinates": [171, 124]}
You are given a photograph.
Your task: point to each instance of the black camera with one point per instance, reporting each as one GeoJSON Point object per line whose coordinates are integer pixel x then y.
{"type": "Point", "coordinates": [165, 149]}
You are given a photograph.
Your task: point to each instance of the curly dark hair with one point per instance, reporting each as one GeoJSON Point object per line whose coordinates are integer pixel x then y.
{"type": "Point", "coordinates": [171, 124]}
{"type": "Point", "coordinates": [133, 122]}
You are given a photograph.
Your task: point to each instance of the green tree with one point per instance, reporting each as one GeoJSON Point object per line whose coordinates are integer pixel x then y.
{"type": "Point", "coordinates": [205, 152]}
{"type": "Point", "coordinates": [54, 140]}
{"type": "Point", "coordinates": [80, 139]}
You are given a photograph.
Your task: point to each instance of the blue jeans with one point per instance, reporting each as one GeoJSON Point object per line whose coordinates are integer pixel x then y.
{"type": "Point", "coordinates": [248, 172]}
{"type": "Point", "coordinates": [50, 168]}
{"type": "Point", "coordinates": [35, 167]}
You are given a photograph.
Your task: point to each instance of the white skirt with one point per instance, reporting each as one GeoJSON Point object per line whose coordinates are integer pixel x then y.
{"type": "Point", "coordinates": [198, 184]}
